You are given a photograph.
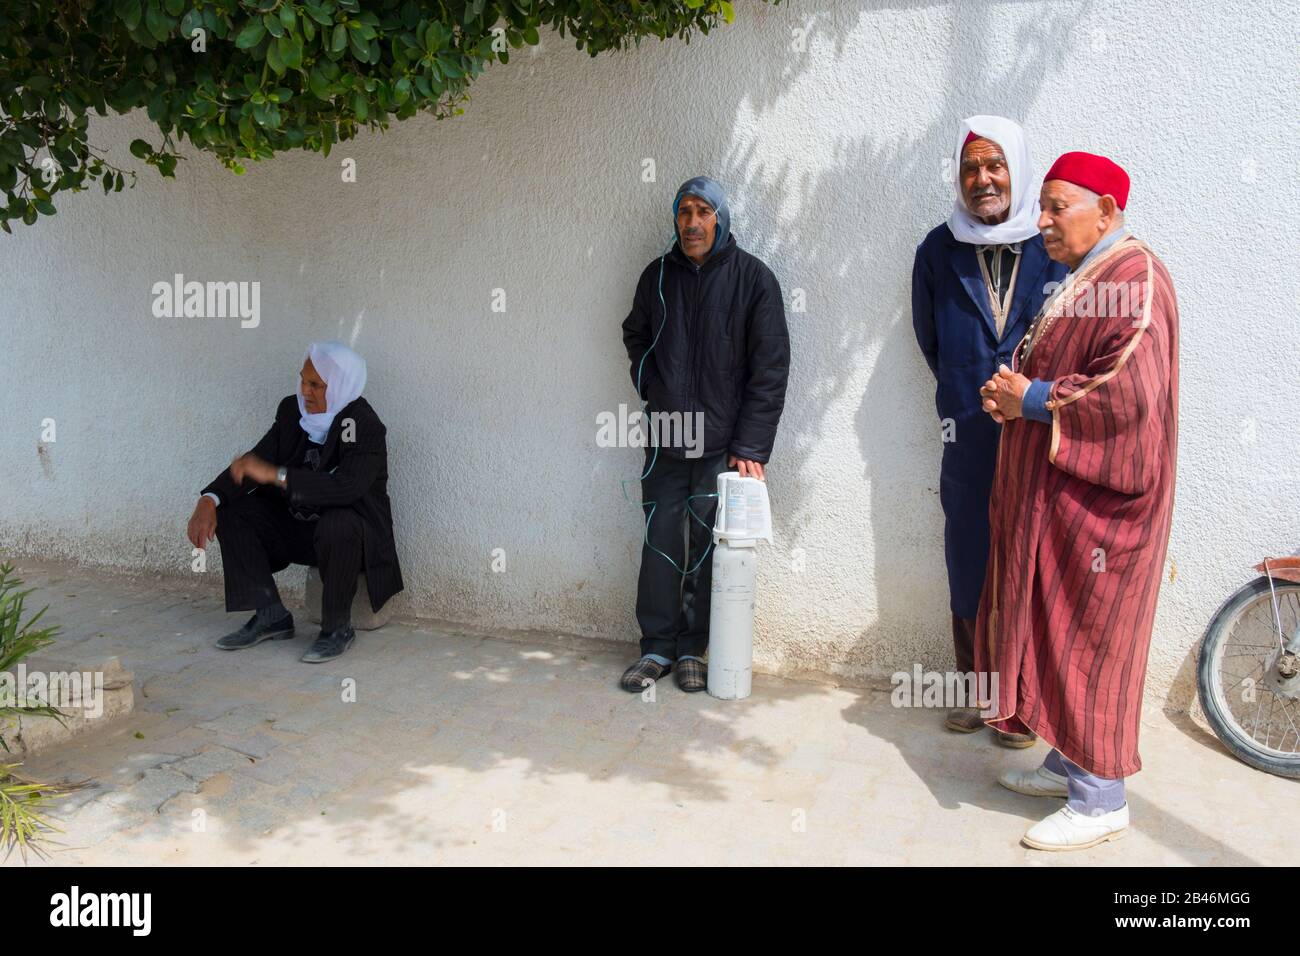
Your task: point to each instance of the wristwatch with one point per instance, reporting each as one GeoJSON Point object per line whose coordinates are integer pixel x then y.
{"type": "Point", "coordinates": [282, 476]}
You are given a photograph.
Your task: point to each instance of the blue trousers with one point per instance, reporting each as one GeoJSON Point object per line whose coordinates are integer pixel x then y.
{"type": "Point", "coordinates": [1088, 794]}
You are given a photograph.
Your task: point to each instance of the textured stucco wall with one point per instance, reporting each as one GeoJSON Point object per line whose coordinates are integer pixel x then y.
{"type": "Point", "coordinates": [834, 156]}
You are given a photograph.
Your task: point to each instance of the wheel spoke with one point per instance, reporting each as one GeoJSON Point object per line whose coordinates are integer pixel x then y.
{"type": "Point", "coordinates": [1250, 676]}
{"type": "Point", "coordinates": [1287, 714]}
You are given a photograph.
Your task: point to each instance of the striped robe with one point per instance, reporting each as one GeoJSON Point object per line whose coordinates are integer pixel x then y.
{"type": "Point", "coordinates": [1080, 514]}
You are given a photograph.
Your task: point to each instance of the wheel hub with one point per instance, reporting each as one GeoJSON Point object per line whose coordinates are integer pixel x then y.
{"type": "Point", "coordinates": [1283, 675]}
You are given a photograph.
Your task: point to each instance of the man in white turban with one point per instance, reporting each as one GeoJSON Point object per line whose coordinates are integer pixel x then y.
{"type": "Point", "coordinates": [313, 491]}
{"type": "Point", "coordinates": [977, 282]}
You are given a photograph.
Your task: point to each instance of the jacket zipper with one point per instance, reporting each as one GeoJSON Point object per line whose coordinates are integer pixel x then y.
{"type": "Point", "coordinates": [693, 351]}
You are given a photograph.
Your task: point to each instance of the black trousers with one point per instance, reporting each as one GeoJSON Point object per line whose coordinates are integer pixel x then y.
{"type": "Point", "coordinates": [963, 643]}
{"type": "Point", "coordinates": [672, 608]}
{"type": "Point", "coordinates": [259, 536]}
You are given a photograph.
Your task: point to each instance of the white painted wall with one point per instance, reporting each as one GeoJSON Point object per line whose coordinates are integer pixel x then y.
{"type": "Point", "coordinates": [834, 161]}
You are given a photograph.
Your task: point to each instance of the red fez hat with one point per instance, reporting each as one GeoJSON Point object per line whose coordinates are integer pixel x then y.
{"type": "Point", "coordinates": [1092, 172]}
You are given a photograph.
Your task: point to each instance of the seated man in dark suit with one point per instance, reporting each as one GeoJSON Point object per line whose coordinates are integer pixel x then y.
{"type": "Point", "coordinates": [313, 491]}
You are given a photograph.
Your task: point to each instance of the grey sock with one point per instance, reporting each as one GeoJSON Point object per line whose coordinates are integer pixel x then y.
{"type": "Point", "coordinates": [271, 613]}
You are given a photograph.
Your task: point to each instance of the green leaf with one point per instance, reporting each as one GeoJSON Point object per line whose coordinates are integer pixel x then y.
{"type": "Point", "coordinates": [140, 149]}
{"type": "Point", "coordinates": [192, 21]}
{"type": "Point", "coordinates": [157, 108]}
{"type": "Point", "coordinates": [434, 37]}
{"type": "Point", "coordinates": [287, 16]}
{"type": "Point", "coordinates": [290, 51]}
{"type": "Point", "coordinates": [174, 7]}
{"type": "Point", "coordinates": [360, 106]}
{"type": "Point", "coordinates": [251, 35]}
{"type": "Point", "coordinates": [319, 86]}
{"type": "Point", "coordinates": [359, 48]}
{"type": "Point", "coordinates": [158, 24]}
{"type": "Point", "coordinates": [131, 13]}
{"type": "Point", "coordinates": [728, 11]}
{"type": "Point", "coordinates": [273, 58]}
{"type": "Point", "coordinates": [531, 37]}
{"type": "Point", "coordinates": [273, 25]}
{"type": "Point", "coordinates": [340, 39]}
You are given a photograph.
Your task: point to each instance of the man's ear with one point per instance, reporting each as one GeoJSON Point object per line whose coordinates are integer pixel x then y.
{"type": "Point", "coordinates": [1108, 206]}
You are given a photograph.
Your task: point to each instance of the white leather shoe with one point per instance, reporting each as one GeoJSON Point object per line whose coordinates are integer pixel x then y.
{"type": "Point", "coordinates": [1038, 782]}
{"type": "Point", "coordinates": [1068, 829]}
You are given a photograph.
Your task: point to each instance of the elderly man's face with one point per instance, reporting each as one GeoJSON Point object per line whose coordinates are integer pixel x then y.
{"type": "Point", "coordinates": [697, 224]}
{"type": "Point", "coordinates": [1072, 220]}
{"type": "Point", "coordinates": [312, 388]}
{"type": "Point", "coordinates": [985, 181]}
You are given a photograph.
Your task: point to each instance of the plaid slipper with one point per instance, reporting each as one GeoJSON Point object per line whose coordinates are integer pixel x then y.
{"type": "Point", "coordinates": [642, 674]}
{"type": "Point", "coordinates": [692, 675]}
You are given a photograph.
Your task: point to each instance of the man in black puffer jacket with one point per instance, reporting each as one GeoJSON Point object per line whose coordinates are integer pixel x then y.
{"type": "Point", "coordinates": [708, 343]}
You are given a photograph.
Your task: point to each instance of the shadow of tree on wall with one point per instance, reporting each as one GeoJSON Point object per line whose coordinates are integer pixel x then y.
{"type": "Point", "coordinates": [856, 344]}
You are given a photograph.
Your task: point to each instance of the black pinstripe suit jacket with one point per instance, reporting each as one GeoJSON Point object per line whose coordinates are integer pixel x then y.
{"type": "Point", "coordinates": [353, 474]}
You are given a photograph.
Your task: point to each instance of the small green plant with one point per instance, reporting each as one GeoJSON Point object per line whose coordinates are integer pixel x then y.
{"type": "Point", "coordinates": [21, 801]}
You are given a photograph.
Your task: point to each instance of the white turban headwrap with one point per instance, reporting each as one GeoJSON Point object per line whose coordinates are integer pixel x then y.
{"type": "Point", "coordinates": [1022, 218]}
{"type": "Point", "coordinates": [344, 374]}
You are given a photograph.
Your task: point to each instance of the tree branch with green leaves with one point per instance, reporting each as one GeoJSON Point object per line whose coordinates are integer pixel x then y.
{"type": "Point", "coordinates": [247, 79]}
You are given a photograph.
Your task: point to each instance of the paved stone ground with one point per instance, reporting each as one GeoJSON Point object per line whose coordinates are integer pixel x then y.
{"type": "Point", "coordinates": [477, 749]}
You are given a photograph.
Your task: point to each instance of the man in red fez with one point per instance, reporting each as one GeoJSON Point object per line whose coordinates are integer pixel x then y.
{"type": "Point", "coordinates": [1082, 499]}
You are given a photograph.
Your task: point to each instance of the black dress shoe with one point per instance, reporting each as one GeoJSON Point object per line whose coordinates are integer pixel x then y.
{"type": "Point", "coordinates": [642, 674]}
{"type": "Point", "coordinates": [254, 633]}
{"type": "Point", "coordinates": [330, 644]}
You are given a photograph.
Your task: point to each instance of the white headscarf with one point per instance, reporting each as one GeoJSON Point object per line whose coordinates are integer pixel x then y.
{"type": "Point", "coordinates": [1022, 218]}
{"type": "Point", "coordinates": [344, 373]}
